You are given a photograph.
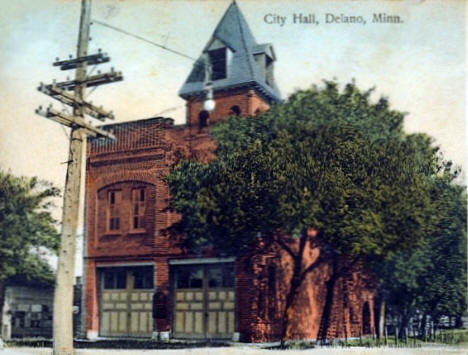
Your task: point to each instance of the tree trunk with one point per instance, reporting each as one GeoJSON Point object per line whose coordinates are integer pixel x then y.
{"type": "Point", "coordinates": [325, 320]}
{"type": "Point", "coordinates": [298, 276]}
{"type": "Point", "coordinates": [2, 301]}
{"type": "Point", "coordinates": [382, 305]}
{"type": "Point", "coordinates": [289, 302]}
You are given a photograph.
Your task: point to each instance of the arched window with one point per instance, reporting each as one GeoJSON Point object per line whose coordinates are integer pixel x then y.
{"type": "Point", "coordinates": [272, 310]}
{"type": "Point", "coordinates": [235, 110]}
{"type": "Point", "coordinates": [124, 207]}
{"type": "Point", "coordinates": [366, 326]}
{"type": "Point", "coordinates": [203, 119]}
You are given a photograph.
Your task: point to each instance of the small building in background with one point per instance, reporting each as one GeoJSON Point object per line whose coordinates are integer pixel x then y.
{"type": "Point", "coordinates": [27, 312]}
{"type": "Point", "coordinates": [28, 308]}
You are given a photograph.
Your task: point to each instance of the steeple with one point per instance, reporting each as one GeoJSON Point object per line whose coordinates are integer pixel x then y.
{"type": "Point", "coordinates": [237, 62]}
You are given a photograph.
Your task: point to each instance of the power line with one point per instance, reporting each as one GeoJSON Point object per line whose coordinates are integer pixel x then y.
{"type": "Point", "coordinates": [144, 40]}
{"type": "Point", "coordinates": [196, 62]}
{"type": "Point", "coordinates": [170, 109]}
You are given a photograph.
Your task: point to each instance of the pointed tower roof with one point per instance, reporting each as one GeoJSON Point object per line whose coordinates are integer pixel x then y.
{"type": "Point", "coordinates": [244, 67]}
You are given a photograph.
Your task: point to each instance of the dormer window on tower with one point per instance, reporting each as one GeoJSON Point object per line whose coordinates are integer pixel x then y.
{"type": "Point", "coordinates": [265, 66]}
{"type": "Point", "coordinates": [269, 71]}
{"type": "Point", "coordinates": [218, 61]}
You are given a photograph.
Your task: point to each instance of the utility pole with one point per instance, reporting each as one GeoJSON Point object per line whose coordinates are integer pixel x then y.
{"type": "Point", "coordinates": [72, 93]}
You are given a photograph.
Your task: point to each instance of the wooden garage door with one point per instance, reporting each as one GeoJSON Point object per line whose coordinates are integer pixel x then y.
{"type": "Point", "coordinates": [126, 302]}
{"type": "Point", "coordinates": [204, 301]}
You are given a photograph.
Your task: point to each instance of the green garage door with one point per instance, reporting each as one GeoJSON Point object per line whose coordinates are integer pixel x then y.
{"type": "Point", "coordinates": [126, 302]}
{"type": "Point", "coordinates": [204, 301]}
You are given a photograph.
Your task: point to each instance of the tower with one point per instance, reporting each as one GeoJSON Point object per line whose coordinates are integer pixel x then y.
{"type": "Point", "coordinates": [239, 71]}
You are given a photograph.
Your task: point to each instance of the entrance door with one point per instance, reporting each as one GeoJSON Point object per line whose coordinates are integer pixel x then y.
{"type": "Point", "coordinates": [127, 301]}
{"type": "Point", "coordinates": [204, 301]}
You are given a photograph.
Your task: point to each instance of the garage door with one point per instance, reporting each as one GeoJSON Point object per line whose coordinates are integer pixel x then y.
{"type": "Point", "coordinates": [204, 304]}
{"type": "Point", "coordinates": [126, 302]}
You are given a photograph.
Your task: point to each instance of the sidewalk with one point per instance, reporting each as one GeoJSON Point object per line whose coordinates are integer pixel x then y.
{"type": "Point", "coordinates": [249, 351]}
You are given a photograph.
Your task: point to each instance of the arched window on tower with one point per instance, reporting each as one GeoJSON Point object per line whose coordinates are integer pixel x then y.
{"type": "Point", "coordinates": [203, 119]}
{"type": "Point", "coordinates": [235, 110]}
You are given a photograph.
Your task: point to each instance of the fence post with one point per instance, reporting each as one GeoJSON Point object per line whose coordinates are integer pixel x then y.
{"type": "Point", "coordinates": [425, 330]}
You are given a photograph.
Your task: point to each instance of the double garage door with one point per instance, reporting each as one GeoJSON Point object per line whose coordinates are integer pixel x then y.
{"type": "Point", "coordinates": [204, 301]}
{"type": "Point", "coordinates": [126, 302]}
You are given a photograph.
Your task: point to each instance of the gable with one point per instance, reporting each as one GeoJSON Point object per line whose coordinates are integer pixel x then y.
{"type": "Point", "coordinates": [234, 35]}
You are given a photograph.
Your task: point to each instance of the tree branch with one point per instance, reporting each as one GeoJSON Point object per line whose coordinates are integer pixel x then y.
{"type": "Point", "coordinates": [312, 266]}
{"type": "Point", "coordinates": [302, 243]}
{"type": "Point", "coordinates": [283, 245]}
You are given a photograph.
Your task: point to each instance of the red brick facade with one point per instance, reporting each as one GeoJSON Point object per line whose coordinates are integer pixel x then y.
{"type": "Point", "coordinates": [143, 154]}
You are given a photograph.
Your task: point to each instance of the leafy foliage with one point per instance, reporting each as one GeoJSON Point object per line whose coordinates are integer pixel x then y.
{"type": "Point", "coordinates": [325, 160]}
{"type": "Point", "coordinates": [26, 225]}
{"type": "Point", "coordinates": [431, 279]}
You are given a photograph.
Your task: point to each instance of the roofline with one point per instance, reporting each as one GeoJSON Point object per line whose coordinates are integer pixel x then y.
{"type": "Point", "coordinates": [167, 120]}
{"type": "Point", "coordinates": [261, 90]}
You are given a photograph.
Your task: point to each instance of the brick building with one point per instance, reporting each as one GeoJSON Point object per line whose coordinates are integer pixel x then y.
{"type": "Point", "coordinates": [139, 281]}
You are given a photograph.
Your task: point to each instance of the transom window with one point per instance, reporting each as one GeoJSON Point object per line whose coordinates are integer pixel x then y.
{"type": "Point", "coordinates": [210, 276]}
{"type": "Point", "coordinates": [189, 277]}
{"type": "Point", "coordinates": [115, 279]}
{"type": "Point", "coordinates": [143, 277]}
{"type": "Point", "coordinates": [140, 277]}
{"type": "Point", "coordinates": [221, 276]}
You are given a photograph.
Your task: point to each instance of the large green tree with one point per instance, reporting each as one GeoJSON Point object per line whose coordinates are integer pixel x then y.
{"type": "Point", "coordinates": [26, 224]}
{"type": "Point", "coordinates": [27, 230]}
{"type": "Point", "coordinates": [328, 161]}
{"type": "Point", "coordinates": [443, 282]}
{"type": "Point", "coordinates": [431, 280]}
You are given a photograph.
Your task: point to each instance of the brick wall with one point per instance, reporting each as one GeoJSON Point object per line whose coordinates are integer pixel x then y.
{"type": "Point", "coordinates": [260, 313]}
{"type": "Point", "coordinates": [248, 102]}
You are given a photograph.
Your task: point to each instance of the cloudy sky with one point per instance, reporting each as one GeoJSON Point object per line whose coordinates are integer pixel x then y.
{"type": "Point", "coordinates": [418, 63]}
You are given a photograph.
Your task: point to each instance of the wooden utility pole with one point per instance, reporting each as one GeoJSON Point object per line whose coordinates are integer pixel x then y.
{"type": "Point", "coordinates": [72, 93]}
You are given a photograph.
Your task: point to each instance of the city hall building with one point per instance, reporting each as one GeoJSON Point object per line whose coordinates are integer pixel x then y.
{"type": "Point", "coordinates": [140, 281]}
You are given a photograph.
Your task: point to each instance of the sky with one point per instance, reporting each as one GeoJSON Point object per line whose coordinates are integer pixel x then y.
{"type": "Point", "coordinates": [418, 63]}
